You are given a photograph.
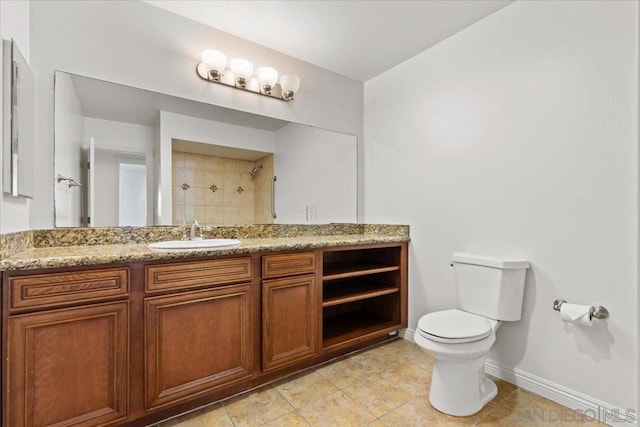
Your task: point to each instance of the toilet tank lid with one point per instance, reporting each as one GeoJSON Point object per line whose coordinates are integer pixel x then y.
{"type": "Point", "coordinates": [489, 260]}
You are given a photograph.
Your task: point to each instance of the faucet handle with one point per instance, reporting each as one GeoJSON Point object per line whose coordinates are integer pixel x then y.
{"type": "Point", "coordinates": [182, 230]}
{"type": "Point", "coordinates": [205, 228]}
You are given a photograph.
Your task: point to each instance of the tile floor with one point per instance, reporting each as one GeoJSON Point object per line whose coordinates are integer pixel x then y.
{"type": "Point", "coordinates": [385, 385]}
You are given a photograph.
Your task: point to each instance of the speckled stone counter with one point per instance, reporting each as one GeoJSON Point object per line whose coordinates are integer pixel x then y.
{"type": "Point", "coordinates": [54, 248]}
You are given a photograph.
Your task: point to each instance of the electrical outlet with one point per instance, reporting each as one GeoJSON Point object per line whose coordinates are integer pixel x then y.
{"type": "Point", "coordinates": [311, 213]}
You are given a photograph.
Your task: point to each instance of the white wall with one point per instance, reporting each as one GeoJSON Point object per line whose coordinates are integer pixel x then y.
{"type": "Point", "coordinates": [156, 50]}
{"type": "Point", "coordinates": [118, 138]}
{"type": "Point", "coordinates": [14, 24]}
{"type": "Point", "coordinates": [69, 125]}
{"type": "Point", "coordinates": [314, 168]}
{"type": "Point", "coordinates": [177, 126]}
{"type": "Point", "coordinates": [518, 136]}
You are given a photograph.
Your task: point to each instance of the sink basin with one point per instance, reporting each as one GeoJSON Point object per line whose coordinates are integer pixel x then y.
{"type": "Point", "coordinates": [195, 244]}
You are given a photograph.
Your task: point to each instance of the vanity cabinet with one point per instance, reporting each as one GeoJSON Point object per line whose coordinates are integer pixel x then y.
{"type": "Point", "coordinates": [66, 366]}
{"type": "Point", "coordinates": [196, 341]}
{"type": "Point", "coordinates": [133, 344]}
{"type": "Point", "coordinates": [289, 310]}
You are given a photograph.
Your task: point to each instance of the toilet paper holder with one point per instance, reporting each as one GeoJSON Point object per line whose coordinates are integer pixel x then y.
{"type": "Point", "coordinates": [596, 311]}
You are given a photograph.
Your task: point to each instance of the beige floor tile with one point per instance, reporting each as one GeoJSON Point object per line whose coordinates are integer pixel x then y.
{"type": "Point", "coordinates": [406, 352]}
{"type": "Point", "coordinates": [409, 378]}
{"type": "Point", "coordinates": [377, 395]}
{"type": "Point", "coordinates": [336, 410]}
{"type": "Point", "coordinates": [344, 372]}
{"type": "Point", "coordinates": [419, 412]}
{"type": "Point", "coordinates": [292, 419]}
{"type": "Point", "coordinates": [411, 351]}
{"type": "Point", "coordinates": [378, 358]}
{"type": "Point", "coordinates": [213, 416]}
{"type": "Point", "coordinates": [377, 423]}
{"type": "Point", "coordinates": [505, 390]}
{"type": "Point", "coordinates": [305, 388]}
{"type": "Point", "coordinates": [258, 407]}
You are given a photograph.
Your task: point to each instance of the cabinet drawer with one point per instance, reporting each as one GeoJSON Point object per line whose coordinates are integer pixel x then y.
{"type": "Point", "coordinates": [288, 264]}
{"type": "Point", "coordinates": [187, 275]}
{"type": "Point", "coordinates": [56, 289]}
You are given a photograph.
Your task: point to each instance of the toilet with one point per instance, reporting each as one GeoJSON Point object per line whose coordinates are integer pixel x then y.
{"type": "Point", "coordinates": [490, 290]}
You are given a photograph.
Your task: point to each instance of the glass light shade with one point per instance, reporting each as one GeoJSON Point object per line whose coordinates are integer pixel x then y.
{"type": "Point", "coordinates": [241, 68]}
{"type": "Point", "coordinates": [214, 60]}
{"type": "Point", "coordinates": [289, 83]}
{"type": "Point", "coordinates": [267, 76]}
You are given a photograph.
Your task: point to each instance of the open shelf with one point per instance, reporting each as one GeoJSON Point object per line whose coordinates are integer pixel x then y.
{"type": "Point", "coordinates": [345, 269]}
{"type": "Point", "coordinates": [363, 292]}
{"type": "Point", "coordinates": [344, 291]}
{"type": "Point", "coordinates": [346, 326]}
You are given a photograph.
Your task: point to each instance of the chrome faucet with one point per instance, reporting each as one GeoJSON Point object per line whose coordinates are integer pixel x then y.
{"type": "Point", "coordinates": [196, 231]}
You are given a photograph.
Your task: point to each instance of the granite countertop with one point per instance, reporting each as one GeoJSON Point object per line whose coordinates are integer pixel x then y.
{"type": "Point", "coordinates": [67, 256]}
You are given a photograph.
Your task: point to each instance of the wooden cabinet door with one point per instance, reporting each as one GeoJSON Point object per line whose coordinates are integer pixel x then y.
{"type": "Point", "coordinates": [196, 342]}
{"type": "Point", "coordinates": [68, 367]}
{"type": "Point", "coordinates": [289, 321]}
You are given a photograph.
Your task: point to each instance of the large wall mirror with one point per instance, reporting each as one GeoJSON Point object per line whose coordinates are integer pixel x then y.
{"type": "Point", "coordinates": [130, 157]}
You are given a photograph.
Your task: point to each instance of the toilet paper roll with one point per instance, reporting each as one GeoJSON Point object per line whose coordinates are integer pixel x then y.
{"type": "Point", "coordinates": [576, 313]}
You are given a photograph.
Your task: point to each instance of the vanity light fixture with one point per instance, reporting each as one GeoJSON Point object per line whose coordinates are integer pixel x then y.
{"type": "Point", "coordinates": [213, 68]}
{"type": "Point", "coordinates": [242, 70]}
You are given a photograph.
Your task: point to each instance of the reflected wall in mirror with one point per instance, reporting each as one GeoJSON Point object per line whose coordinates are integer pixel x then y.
{"type": "Point", "coordinates": [146, 158]}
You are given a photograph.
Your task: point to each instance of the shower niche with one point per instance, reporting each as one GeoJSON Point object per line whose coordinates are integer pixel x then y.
{"type": "Point", "coordinates": [219, 190]}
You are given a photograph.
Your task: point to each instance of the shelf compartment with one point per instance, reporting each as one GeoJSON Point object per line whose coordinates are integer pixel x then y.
{"type": "Point", "coordinates": [345, 291]}
{"type": "Point", "coordinates": [345, 269]}
{"type": "Point", "coordinates": [344, 327]}
{"type": "Point", "coordinates": [343, 323]}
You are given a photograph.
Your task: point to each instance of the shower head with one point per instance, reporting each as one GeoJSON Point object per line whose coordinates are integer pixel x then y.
{"type": "Point", "coordinates": [255, 170]}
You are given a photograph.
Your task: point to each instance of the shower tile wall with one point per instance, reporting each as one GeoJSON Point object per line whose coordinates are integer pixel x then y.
{"type": "Point", "coordinates": [226, 205]}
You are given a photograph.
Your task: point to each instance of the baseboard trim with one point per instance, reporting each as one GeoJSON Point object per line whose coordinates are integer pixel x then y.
{"type": "Point", "coordinates": [587, 405]}
{"type": "Point", "coordinates": [407, 334]}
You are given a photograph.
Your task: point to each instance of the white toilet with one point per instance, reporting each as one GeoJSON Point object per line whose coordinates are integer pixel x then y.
{"type": "Point", "coordinates": [490, 290]}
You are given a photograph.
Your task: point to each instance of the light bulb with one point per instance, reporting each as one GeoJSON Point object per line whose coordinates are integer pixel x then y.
{"type": "Point", "coordinates": [215, 62]}
{"type": "Point", "coordinates": [290, 85]}
{"type": "Point", "coordinates": [242, 69]}
{"type": "Point", "coordinates": [267, 77]}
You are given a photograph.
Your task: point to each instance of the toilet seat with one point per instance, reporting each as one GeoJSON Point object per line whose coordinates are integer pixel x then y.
{"type": "Point", "coordinates": [455, 326]}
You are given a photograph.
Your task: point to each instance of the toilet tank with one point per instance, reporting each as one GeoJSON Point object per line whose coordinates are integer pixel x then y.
{"type": "Point", "coordinates": [490, 286]}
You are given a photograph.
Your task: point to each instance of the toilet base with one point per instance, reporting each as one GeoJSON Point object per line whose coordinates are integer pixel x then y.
{"type": "Point", "coordinates": [460, 387]}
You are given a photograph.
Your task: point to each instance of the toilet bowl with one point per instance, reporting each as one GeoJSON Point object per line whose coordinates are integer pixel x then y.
{"type": "Point", "coordinates": [460, 342]}
{"type": "Point", "coordinates": [490, 290]}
